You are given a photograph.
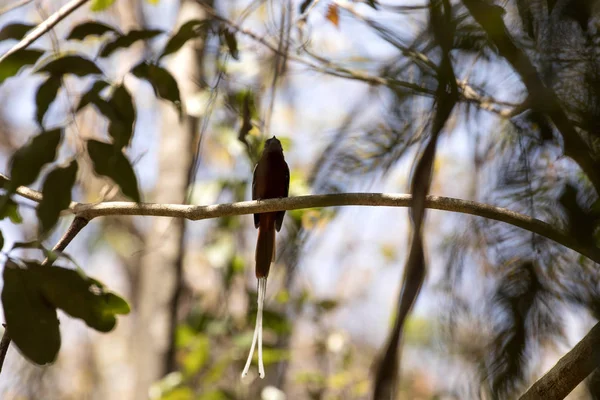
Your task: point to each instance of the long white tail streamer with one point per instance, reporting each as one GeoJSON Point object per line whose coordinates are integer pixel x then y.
{"type": "Point", "coordinates": [262, 289]}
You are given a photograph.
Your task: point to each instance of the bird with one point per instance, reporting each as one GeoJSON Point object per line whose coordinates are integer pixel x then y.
{"type": "Point", "coordinates": [271, 180]}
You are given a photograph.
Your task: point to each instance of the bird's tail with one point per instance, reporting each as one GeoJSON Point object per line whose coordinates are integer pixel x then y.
{"type": "Point", "coordinates": [265, 245]}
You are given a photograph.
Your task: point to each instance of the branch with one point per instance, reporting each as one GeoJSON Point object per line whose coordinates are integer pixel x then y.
{"type": "Point", "coordinates": [45, 26]}
{"type": "Point", "coordinates": [570, 370]}
{"type": "Point", "coordinates": [468, 94]}
{"type": "Point", "coordinates": [76, 226]}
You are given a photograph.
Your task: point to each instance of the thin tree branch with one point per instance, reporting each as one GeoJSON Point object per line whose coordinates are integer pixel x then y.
{"type": "Point", "coordinates": [197, 213]}
{"type": "Point", "coordinates": [569, 371]}
{"type": "Point", "coordinates": [76, 226]}
{"type": "Point", "coordinates": [45, 26]}
{"type": "Point", "coordinates": [11, 7]}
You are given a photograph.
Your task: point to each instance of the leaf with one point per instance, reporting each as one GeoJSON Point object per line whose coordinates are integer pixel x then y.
{"type": "Point", "coordinates": [89, 28]}
{"type": "Point", "coordinates": [45, 95]}
{"type": "Point", "coordinates": [71, 64]}
{"type": "Point", "coordinates": [57, 195]}
{"type": "Point", "coordinates": [10, 209]}
{"type": "Point", "coordinates": [163, 83]}
{"type": "Point", "coordinates": [27, 162]}
{"type": "Point", "coordinates": [11, 65]}
{"type": "Point", "coordinates": [231, 43]}
{"type": "Point", "coordinates": [81, 297]}
{"type": "Point", "coordinates": [127, 40]}
{"type": "Point", "coordinates": [122, 116]}
{"type": "Point", "coordinates": [1, 240]}
{"type": "Point", "coordinates": [333, 15]}
{"type": "Point", "coordinates": [31, 321]}
{"type": "Point", "coordinates": [187, 31]}
{"type": "Point", "coordinates": [100, 5]}
{"type": "Point", "coordinates": [15, 31]}
{"type": "Point", "coordinates": [110, 161]}
{"type": "Point", "coordinates": [92, 95]}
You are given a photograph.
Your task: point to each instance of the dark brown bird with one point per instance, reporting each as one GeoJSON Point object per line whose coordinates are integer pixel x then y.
{"type": "Point", "coordinates": [271, 180]}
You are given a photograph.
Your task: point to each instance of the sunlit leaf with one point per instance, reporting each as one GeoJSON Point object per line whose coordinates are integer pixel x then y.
{"type": "Point", "coordinates": [30, 319]}
{"type": "Point", "coordinates": [187, 31]}
{"type": "Point", "coordinates": [27, 161]}
{"type": "Point", "coordinates": [231, 43]}
{"type": "Point", "coordinates": [101, 5]}
{"type": "Point", "coordinates": [81, 297]}
{"type": "Point", "coordinates": [89, 28]}
{"type": "Point", "coordinates": [124, 41]}
{"type": "Point", "coordinates": [111, 162]}
{"type": "Point", "coordinates": [12, 64]}
{"type": "Point", "coordinates": [45, 95]}
{"type": "Point", "coordinates": [15, 31]}
{"type": "Point", "coordinates": [163, 83]}
{"type": "Point", "coordinates": [10, 209]}
{"type": "Point", "coordinates": [333, 14]}
{"type": "Point", "coordinates": [71, 64]}
{"type": "Point", "coordinates": [57, 195]}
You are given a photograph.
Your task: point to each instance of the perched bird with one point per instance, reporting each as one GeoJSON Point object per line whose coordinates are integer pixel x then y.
{"type": "Point", "coordinates": [271, 180]}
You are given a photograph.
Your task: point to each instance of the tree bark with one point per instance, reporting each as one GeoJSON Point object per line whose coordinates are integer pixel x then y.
{"type": "Point", "coordinates": [161, 265]}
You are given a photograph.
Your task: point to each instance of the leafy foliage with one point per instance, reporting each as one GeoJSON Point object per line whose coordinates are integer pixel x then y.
{"type": "Point", "coordinates": [45, 95]}
{"type": "Point", "coordinates": [57, 195]}
{"type": "Point", "coordinates": [110, 161]}
{"type": "Point", "coordinates": [15, 31]}
{"type": "Point", "coordinates": [89, 28]}
{"type": "Point", "coordinates": [72, 64]}
{"type": "Point", "coordinates": [187, 31]}
{"type": "Point", "coordinates": [126, 40]}
{"type": "Point", "coordinates": [162, 82]}
{"type": "Point", "coordinates": [12, 64]}
{"type": "Point", "coordinates": [27, 162]}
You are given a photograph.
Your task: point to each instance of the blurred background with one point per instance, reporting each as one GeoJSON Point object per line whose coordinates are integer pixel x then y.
{"type": "Point", "coordinates": [348, 87]}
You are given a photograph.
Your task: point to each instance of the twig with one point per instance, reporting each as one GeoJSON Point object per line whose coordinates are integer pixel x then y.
{"type": "Point", "coordinates": [569, 371]}
{"type": "Point", "coordinates": [45, 26]}
{"type": "Point", "coordinates": [76, 226]}
{"type": "Point", "coordinates": [14, 6]}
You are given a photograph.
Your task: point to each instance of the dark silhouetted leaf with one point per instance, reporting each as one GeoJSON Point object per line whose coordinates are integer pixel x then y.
{"type": "Point", "coordinates": [187, 31]}
{"type": "Point", "coordinates": [31, 320]}
{"type": "Point", "coordinates": [13, 63]}
{"type": "Point", "coordinates": [27, 162]}
{"type": "Point", "coordinates": [15, 31]}
{"type": "Point", "coordinates": [76, 65]}
{"type": "Point", "coordinates": [231, 43]}
{"type": "Point", "coordinates": [305, 5]}
{"type": "Point", "coordinates": [163, 83]}
{"type": "Point", "coordinates": [92, 95]}
{"type": "Point", "coordinates": [111, 162]}
{"type": "Point", "coordinates": [89, 28]}
{"type": "Point", "coordinates": [1, 240]}
{"type": "Point", "coordinates": [372, 3]}
{"type": "Point", "coordinates": [121, 116]}
{"type": "Point", "coordinates": [100, 5]}
{"type": "Point", "coordinates": [57, 195]}
{"type": "Point", "coordinates": [127, 40]}
{"type": "Point", "coordinates": [45, 96]}
{"type": "Point", "coordinates": [81, 297]}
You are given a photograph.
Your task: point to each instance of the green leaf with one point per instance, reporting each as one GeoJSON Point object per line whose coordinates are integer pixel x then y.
{"type": "Point", "coordinates": [31, 321]}
{"type": "Point", "coordinates": [45, 95]}
{"type": "Point", "coordinates": [89, 28]}
{"type": "Point", "coordinates": [199, 350]}
{"type": "Point", "coordinates": [27, 162]}
{"type": "Point", "coordinates": [57, 195]}
{"type": "Point", "coordinates": [15, 31]}
{"type": "Point", "coordinates": [127, 40]}
{"type": "Point", "coordinates": [81, 297]}
{"type": "Point", "coordinates": [111, 162]}
{"type": "Point", "coordinates": [231, 43]}
{"type": "Point", "coordinates": [72, 64]}
{"type": "Point", "coordinates": [163, 83]}
{"type": "Point", "coordinates": [101, 5]}
{"type": "Point", "coordinates": [187, 31]}
{"type": "Point", "coordinates": [10, 209]}
{"type": "Point", "coordinates": [11, 65]}
{"type": "Point", "coordinates": [92, 95]}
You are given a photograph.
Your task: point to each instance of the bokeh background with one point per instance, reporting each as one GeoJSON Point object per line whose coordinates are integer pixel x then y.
{"type": "Point", "coordinates": [499, 305]}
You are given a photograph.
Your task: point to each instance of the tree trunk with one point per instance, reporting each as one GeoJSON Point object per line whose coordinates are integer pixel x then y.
{"type": "Point", "coordinates": [161, 266]}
